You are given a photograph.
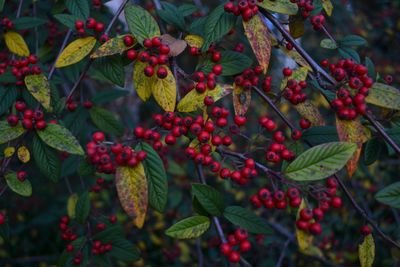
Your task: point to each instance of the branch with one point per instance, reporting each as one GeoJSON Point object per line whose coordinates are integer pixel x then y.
{"type": "Point", "coordinates": [319, 71]}
{"type": "Point", "coordinates": [64, 44]}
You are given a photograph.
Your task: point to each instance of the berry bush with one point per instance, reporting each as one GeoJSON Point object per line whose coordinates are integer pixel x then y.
{"type": "Point", "coordinates": [215, 133]}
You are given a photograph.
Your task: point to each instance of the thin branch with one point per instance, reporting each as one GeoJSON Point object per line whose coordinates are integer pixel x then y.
{"type": "Point", "coordinates": [199, 253]}
{"type": "Point", "coordinates": [64, 44]}
{"type": "Point", "coordinates": [283, 253]}
{"type": "Point", "coordinates": [19, 10]}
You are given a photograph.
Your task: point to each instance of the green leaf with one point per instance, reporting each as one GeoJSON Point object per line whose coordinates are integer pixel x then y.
{"type": "Point", "coordinates": [328, 44]}
{"type": "Point", "coordinates": [352, 40]}
{"type": "Point", "coordinates": [390, 195]}
{"type": "Point", "coordinates": [279, 6]}
{"type": "Point", "coordinates": [191, 227]}
{"type": "Point", "coordinates": [197, 26]}
{"type": "Point", "coordinates": [209, 198]}
{"type": "Point", "coordinates": [171, 15]}
{"type": "Point", "coordinates": [21, 188]}
{"type": "Point", "coordinates": [321, 134]}
{"type": "Point", "coordinates": [2, 5]}
{"type": "Point", "coordinates": [61, 139]}
{"type": "Point", "coordinates": [46, 159]}
{"type": "Point", "coordinates": [109, 95]}
{"type": "Point", "coordinates": [232, 63]}
{"type": "Point", "coordinates": [67, 19]}
{"type": "Point", "coordinates": [156, 177]}
{"type": "Point", "coordinates": [27, 22]}
{"type": "Point", "coordinates": [124, 250]}
{"type": "Point", "coordinates": [187, 9]}
{"type": "Point", "coordinates": [8, 95]}
{"type": "Point", "coordinates": [371, 67]}
{"type": "Point", "coordinates": [246, 219]}
{"type": "Point", "coordinates": [85, 168]}
{"type": "Point", "coordinates": [217, 25]}
{"type": "Point", "coordinates": [366, 251]}
{"type": "Point", "coordinates": [79, 8]}
{"type": "Point", "coordinates": [372, 151]}
{"type": "Point", "coordinates": [385, 96]}
{"type": "Point", "coordinates": [106, 121]}
{"type": "Point", "coordinates": [8, 133]}
{"type": "Point", "coordinates": [141, 24]}
{"type": "Point", "coordinates": [349, 53]}
{"type": "Point", "coordinates": [76, 121]}
{"type": "Point", "coordinates": [321, 161]}
{"type": "Point", "coordinates": [82, 208]}
{"type": "Point", "coordinates": [112, 69]}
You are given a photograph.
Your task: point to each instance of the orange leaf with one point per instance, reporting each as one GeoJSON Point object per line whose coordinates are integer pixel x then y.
{"type": "Point", "coordinates": [354, 132]}
{"type": "Point", "coordinates": [260, 40]}
{"type": "Point", "coordinates": [132, 191]}
{"type": "Point", "coordinates": [241, 100]}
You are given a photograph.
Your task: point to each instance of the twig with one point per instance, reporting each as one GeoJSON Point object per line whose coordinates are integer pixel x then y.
{"type": "Point", "coordinates": [199, 253]}
{"type": "Point", "coordinates": [64, 44]}
{"type": "Point", "coordinates": [19, 8]}
{"type": "Point", "coordinates": [283, 253]}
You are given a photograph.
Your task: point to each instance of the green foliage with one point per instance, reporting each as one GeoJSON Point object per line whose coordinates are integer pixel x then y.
{"type": "Point", "coordinates": [188, 228]}
{"type": "Point", "coordinates": [246, 219]}
{"type": "Point", "coordinates": [390, 195]}
{"type": "Point", "coordinates": [82, 208]}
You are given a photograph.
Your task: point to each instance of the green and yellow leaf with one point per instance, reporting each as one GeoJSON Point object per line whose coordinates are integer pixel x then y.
{"type": "Point", "coordinates": [194, 40]}
{"type": "Point", "coordinates": [16, 44]}
{"type": "Point", "coordinates": [39, 87]}
{"type": "Point", "coordinates": [383, 95]}
{"type": "Point", "coordinates": [132, 192]}
{"type": "Point", "coordinates": [328, 7]}
{"type": "Point", "coordinates": [279, 6]}
{"type": "Point", "coordinates": [366, 251]}
{"type": "Point", "coordinates": [21, 188]}
{"type": "Point", "coordinates": [9, 151]}
{"type": "Point", "coordinates": [113, 46]}
{"type": "Point", "coordinates": [71, 204]}
{"type": "Point", "coordinates": [164, 91]}
{"type": "Point", "coordinates": [191, 227]}
{"type": "Point", "coordinates": [309, 111]}
{"type": "Point", "coordinates": [8, 133]}
{"type": "Point", "coordinates": [143, 84]}
{"type": "Point", "coordinates": [76, 51]}
{"type": "Point", "coordinates": [23, 154]}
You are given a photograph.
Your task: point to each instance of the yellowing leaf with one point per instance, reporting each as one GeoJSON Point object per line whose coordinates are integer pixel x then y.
{"type": "Point", "coordinates": [298, 75]}
{"type": "Point", "coordinates": [111, 47]}
{"type": "Point", "coordinates": [9, 151]}
{"type": "Point", "coordinates": [328, 7]}
{"type": "Point", "coordinates": [16, 44]}
{"type": "Point", "coordinates": [164, 91]}
{"type": "Point", "coordinates": [23, 154]}
{"type": "Point", "coordinates": [366, 251]}
{"type": "Point", "coordinates": [76, 51]}
{"type": "Point", "coordinates": [309, 111]}
{"type": "Point", "coordinates": [194, 40]}
{"type": "Point", "coordinates": [296, 26]}
{"type": "Point", "coordinates": [143, 84]}
{"type": "Point", "coordinates": [279, 6]}
{"type": "Point", "coordinates": [260, 40]}
{"type": "Point", "coordinates": [296, 57]}
{"type": "Point", "coordinates": [71, 204]}
{"type": "Point", "coordinates": [39, 87]}
{"type": "Point", "coordinates": [241, 99]}
{"type": "Point", "coordinates": [304, 239]}
{"type": "Point", "coordinates": [132, 192]}
{"type": "Point", "coordinates": [194, 101]}
{"type": "Point", "coordinates": [354, 132]}
{"type": "Point", "coordinates": [384, 95]}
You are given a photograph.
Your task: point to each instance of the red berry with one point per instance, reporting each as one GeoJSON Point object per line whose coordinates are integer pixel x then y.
{"type": "Point", "coordinates": [149, 71]}
{"type": "Point", "coordinates": [306, 214]}
{"type": "Point", "coordinates": [365, 230]}
{"type": "Point", "coordinates": [315, 228]}
{"type": "Point", "coordinates": [98, 136]}
{"type": "Point", "coordinates": [225, 249]}
{"type": "Point", "coordinates": [305, 123]}
{"type": "Point", "coordinates": [21, 176]}
{"type": "Point", "coordinates": [162, 72]}
{"type": "Point", "coordinates": [234, 256]}
{"type": "Point", "coordinates": [287, 72]}
{"type": "Point", "coordinates": [217, 69]}
{"type": "Point", "coordinates": [336, 202]}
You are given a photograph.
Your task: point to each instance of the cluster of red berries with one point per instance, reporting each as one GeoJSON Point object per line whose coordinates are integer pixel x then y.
{"type": "Point", "coordinates": [21, 68]}
{"type": "Point", "coordinates": [309, 218]}
{"type": "Point", "coordinates": [245, 8]}
{"type": "Point", "coordinates": [236, 243]}
{"type": "Point", "coordinates": [155, 56]}
{"type": "Point", "coordinates": [204, 82]}
{"type": "Point", "coordinates": [67, 233]}
{"type": "Point", "coordinates": [101, 183]}
{"type": "Point", "coordinates": [7, 23]}
{"type": "Point", "coordinates": [249, 77]}
{"type": "Point", "coordinates": [100, 156]}
{"type": "Point", "coordinates": [91, 24]}
{"type": "Point", "coordinates": [72, 105]}
{"type": "Point", "coordinates": [279, 199]}
{"type": "Point", "coordinates": [99, 248]}
{"type": "Point", "coordinates": [293, 91]}
{"type": "Point", "coordinates": [241, 176]}
{"type": "Point", "coordinates": [30, 119]}
{"type": "Point", "coordinates": [305, 7]}
{"type": "Point", "coordinates": [350, 100]}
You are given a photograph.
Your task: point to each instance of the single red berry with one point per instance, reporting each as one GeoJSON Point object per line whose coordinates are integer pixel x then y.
{"type": "Point", "coordinates": [306, 214]}
{"type": "Point", "coordinates": [98, 136]}
{"type": "Point", "coordinates": [287, 72]}
{"type": "Point", "coordinates": [305, 123]}
{"type": "Point", "coordinates": [162, 72]}
{"type": "Point", "coordinates": [149, 71]}
{"type": "Point", "coordinates": [217, 69]}
{"type": "Point", "coordinates": [315, 228]}
{"type": "Point", "coordinates": [336, 202]}
{"type": "Point", "coordinates": [365, 230]}
{"type": "Point", "coordinates": [234, 256]}
{"type": "Point", "coordinates": [225, 249]}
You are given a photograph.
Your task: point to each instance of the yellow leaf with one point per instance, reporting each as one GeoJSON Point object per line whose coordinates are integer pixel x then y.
{"type": "Point", "coordinates": [304, 239]}
{"type": "Point", "coordinates": [327, 5]}
{"type": "Point", "coordinates": [194, 40]}
{"type": "Point", "coordinates": [296, 26]}
{"type": "Point", "coordinates": [23, 154]}
{"type": "Point", "coordinates": [241, 99]}
{"type": "Point", "coordinates": [260, 40]}
{"type": "Point", "coordinates": [298, 75]}
{"type": "Point", "coordinates": [309, 111]}
{"type": "Point", "coordinates": [143, 84]}
{"type": "Point", "coordinates": [39, 87]}
{"type": "Point", "coordinates": [132, 192]}
{"type": "Point", "coordinates": [9, 151]}
{"type": "Point", "coordinates": [352, 131]}
{"type": "Point", "coordinates": [194, 101]}
{"type": "Point", "coordinates": [279, 6]}
{"type": "Point", "coordinates": [16, 44]}
{"type": "Point", "coordinates": [296, 57]}
{"type": "Point", "coordinates": [71, 203]}
{"type": "Point", "coordinates": [164, 91]}
{"type": "Point", "coordinates": [366, 251]}
{"type": "Point", "coordinates": [76, 51]}
{"type": "Point", "coordinates": [111, 47]}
